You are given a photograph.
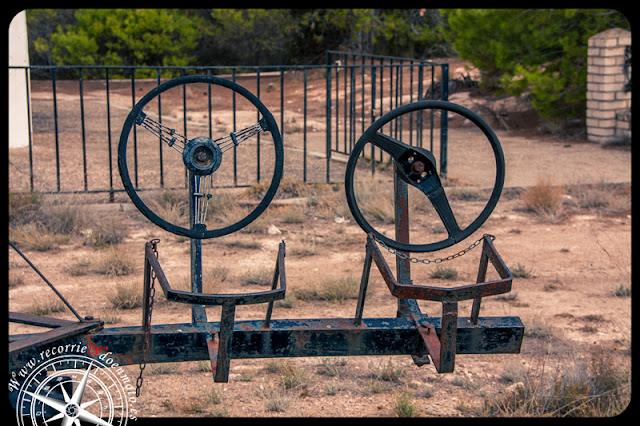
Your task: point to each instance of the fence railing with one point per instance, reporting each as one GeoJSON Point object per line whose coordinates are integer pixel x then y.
{"type": "Point", "coordinates": [363, 87]}
{"type": "Point", "coordinates": [77, 113]}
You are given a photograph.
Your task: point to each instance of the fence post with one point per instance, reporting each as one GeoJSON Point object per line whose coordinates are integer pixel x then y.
{"type": "Point", "coordinates": [328, 114]}
{"type": "Point", "coordinates": [444, 128]}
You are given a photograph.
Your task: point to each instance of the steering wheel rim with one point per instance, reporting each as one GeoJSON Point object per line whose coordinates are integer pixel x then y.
{"type": "Point", "coordinates": [371, 134]}
{"type": "Point", "coordinates": [200, 231]}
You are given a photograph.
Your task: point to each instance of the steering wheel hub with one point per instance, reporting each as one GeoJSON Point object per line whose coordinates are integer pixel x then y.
{"type": "Point", "coordinates": [202, 156]}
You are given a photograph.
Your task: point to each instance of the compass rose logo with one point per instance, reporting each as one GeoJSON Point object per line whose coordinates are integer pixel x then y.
{"type": "Point", "coordinates": [75, 390]}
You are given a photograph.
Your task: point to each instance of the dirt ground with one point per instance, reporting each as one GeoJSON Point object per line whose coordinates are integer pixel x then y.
{"type": "Point", "coordinates": [569, 297]}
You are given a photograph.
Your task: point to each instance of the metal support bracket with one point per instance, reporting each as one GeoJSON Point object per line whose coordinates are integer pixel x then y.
{"type": "Point", "coordinates": [441, 348]}
{"type": "Point", "coordinates": [219, 336]}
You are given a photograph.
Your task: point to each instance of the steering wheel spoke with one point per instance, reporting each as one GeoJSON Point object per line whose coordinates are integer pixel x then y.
{"type": "Point", "coordinates": [234, 139]}
{"type": "Point", "coordinates": [440, 202]}
{"type": "Point", "coordinates": [168, 135]}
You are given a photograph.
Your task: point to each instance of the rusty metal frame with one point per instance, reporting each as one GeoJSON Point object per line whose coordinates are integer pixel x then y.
{"type": "Point", "coordinates": [441, 349]}
{"type": "Point", "coordinates": [218, 339]}
{"type": "Point", "coordinates": [410, 333]}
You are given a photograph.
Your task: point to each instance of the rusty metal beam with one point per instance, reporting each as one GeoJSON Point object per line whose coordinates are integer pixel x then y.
{"type": "Point", "coordinates": [296, 338]}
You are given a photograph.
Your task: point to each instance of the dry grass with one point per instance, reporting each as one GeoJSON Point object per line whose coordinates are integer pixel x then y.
{"type": "Point", "coordinates": [113, 261]}
{"type": "Point", "coordinates": [598, 387]}
{"type": "Point", "coordinates": [544, 197]}
{"type": "Point", "coordinates": [126, 296]}
{"type": "Point", "coordinates": [331, 289]}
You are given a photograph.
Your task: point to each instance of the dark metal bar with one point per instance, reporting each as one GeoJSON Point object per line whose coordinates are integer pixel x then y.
{"type": "Point", "coordinates": [29, 128]}
{"type": "Point", "coordinates": [135, 133]}
{"type": "Point", "coordinates": [297, 338]}
{"type": "Point", "coordinates": [235, 148]}
{"type": "Point", "coordinates": [278, 274]}
{"type": "Point", "coordinates": [282, 103]}
{"type": "Point", "coordinates": [146, 286]}
{"type": "Point", "coordinates": [444, 126]}
{"type": "Point", "coordinates": [328, 117]}
{"type": "Point", "coordinates": [224, 342]}
{"type": "Point", "coordinates": [160, 142]}
{"type": "Point", "coordinates": [18, 346]}
{"type": "Point", "coordinates": [68, 305]}
{"type": "Point", "coordinates": [258, 119]}
{"type": "Point", "coordinates": [111, 192]}
{"type": "Point", "coordinates": [482, 274]}
{"type": "Point", "coordinates": [37, 320]}
{"type": "Point", "coordinates": [448, 332]}
{"type": "Point", "coordinates": [364, 282]}
{"type": "Point", "coordinates": [304, 131]}
{"type": "Point", "coordinates": [84, 136]}
{"type": "Point", "coordinates": [55, 123]}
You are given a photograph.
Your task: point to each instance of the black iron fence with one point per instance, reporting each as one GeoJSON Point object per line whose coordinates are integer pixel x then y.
{"type": "Point", "coordinates": [77, 113]}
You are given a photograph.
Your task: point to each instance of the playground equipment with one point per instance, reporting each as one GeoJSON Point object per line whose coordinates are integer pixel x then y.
{"type": "Point", "coordinates": [427, 339]}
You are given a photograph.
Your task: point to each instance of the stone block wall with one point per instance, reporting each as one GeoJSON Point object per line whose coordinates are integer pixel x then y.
{"type": "Point", "coordinates": [608, 101]}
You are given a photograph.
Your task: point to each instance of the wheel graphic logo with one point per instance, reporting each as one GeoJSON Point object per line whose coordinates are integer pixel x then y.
{"type": "Point", "coordinates": [78, 390]}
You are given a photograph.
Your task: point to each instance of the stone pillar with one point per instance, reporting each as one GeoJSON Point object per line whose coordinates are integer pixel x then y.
{"type": "Point", "coordinates": [19, 119]}
{"type": "Point", "coordinates": [608, 103]}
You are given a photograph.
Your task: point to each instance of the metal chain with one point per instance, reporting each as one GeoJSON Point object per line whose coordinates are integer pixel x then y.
{"type": "Point", "coordinates": [147, 331]}
{"type": "Point", "coordinates": [402, 255]}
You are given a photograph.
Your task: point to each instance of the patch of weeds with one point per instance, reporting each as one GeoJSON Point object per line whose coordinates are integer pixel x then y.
{"type": "Point", "coordinates": [332, 367]}
{"type": "Point", "coordinates": [333, 388]}
{"type": "Point", "coordinates": [601, 389]}
{"type": "Point", "coordinates": [426, 392]}
{"type": "Point", "coordinates": [186, 406]}
{"type": "Point", "coordinates": [508, 297]}
{"type": "Point", "coordinates": [520, 271]}
{"type": "Point", "coordinates": [444, 273]}
{"type": "Point", "coordinates": [287, 303]}
{"type": "Point", "coordinates": [387, 372]}
{"type": "Point", "coordinates": [104, 232]}
{"type": "Point", "coordinates": [162, 368]}
{"type": "Point", "coordinates": [33, 236]}
{"type": "Point", "coordinates": [204, 366]}
{"type": "Point", "coordinates": [538, 329]}
{"type": "Point", "coordinates": [373, 387]}
{"type": "Point", "coordinates": [126, 296]}
{"type": "Point", "coordinates": [405, 406]}
{"type": "Point", "coordinates": [46, 306]}
{"type": "Point", "coordinates": [622, 291]}
{"type": "Point", "coordinates": [242, 244]}
{"type": "Point", "coordinates": [331, 289]}
{"type": "Point", "coordinates": [262, 277]}
{"type": "Point", "coordinates": [110, 318]}
{"type": "Point", "coordinates": [294, 377]}
{"type": "Point", "coordinates": [247, 376]}
{"type": "Point", "coordinates": [15, 281]}
{"type": "Point", "coordinates": [465, 194]}
{"type": "Point", "coordinates": [172, 206]}
{"type": "Point", "coordinates": [212, 397]}
{"type": "Point", "coordinates": [213, 276]}
{"type": "Point", "coordinates": [513, 372]}
{"type": "Point", "coordinates": [465, 383]}
{"type": "Point", "coordinates": [276, 398]}
{"type": "Point", "coordinates": [293, 214]}
{"type": "Point", "coordinates": [544, 197]}
{"type": "Point", "coordinates": [79, 268]}
{"type": "Point", "coordinates": [113, 261]}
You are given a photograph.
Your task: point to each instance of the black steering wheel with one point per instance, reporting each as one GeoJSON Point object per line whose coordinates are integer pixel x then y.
{"type": "Point", "coordinates": [202, 156]}
{"type": "Point", "coordinates": [417, 167]}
